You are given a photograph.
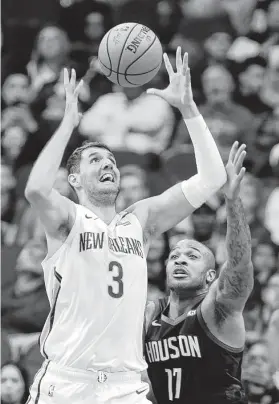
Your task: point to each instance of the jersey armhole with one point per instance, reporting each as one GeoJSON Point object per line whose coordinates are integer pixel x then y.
{"type": "Point", "coordinates": [48, 259]}
{"type": "Point", "coordinates": [212, 337]}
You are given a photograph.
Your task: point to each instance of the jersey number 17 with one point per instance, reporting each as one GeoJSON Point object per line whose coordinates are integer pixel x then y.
{"type": "Point", "coordinates": [174, 382]}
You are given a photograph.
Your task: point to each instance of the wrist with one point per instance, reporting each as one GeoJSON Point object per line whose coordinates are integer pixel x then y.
{"type": "Point", "coordinates": [189, 111]}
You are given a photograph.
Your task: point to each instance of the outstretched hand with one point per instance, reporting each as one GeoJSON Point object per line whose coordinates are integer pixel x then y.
{"type": "Point", "coordinates": [179, 91]}
{"type": "Point", "coordinates": [72, 91]}
{"type": "Point", "coordinates": [235, 171]}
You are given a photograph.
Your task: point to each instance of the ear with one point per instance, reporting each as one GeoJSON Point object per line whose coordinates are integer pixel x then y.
{"type": "Point", "coordinates": [210, 276]}
{"type": "Point", "coordinates": [74, 180]}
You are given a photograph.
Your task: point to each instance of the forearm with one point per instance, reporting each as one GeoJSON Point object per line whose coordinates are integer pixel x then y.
{"type": "Point", "coordinates": [45, 169]}
{"type": "Point", "coordinates": [236, 277]}
{"type": "Point", "coordinates": [211, 171]}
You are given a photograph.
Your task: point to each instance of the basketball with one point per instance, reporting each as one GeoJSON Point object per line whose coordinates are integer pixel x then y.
{"type": "Point", "coordinates": [130, 54]}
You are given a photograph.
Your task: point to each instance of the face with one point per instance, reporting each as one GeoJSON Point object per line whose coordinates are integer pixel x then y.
{"type": "Point", "coordinates": [252, 78]}
{"type": "Point", "coordinates": [99, 176]}
{"type": "Point", "coordinates": [217, 84]}
{"type": "Point", "coordinates": [269, 134]}
{"type": "Point", "coordinates": [132, 189]}
{"type": "Point", "coordinates": [52, 42]}
{"type": "Point", "coordinates": [15, 89]}
{"type": "Point", "coordinates": [186, 267]}
{"type": "Point", "coordinates": [94, 26]}
{"type": "Point", "coordinates": [12, 385]}
{"type": "Point", "coordinates": [13, 140]}
{"type": "Point", "coordinates": [218, 44]}
{"type": "Point", "coordinates": [258, 357]}
{"type": "Point", "coordinates": [203, 223]}
{"type": "Point", "coordinates": [264, 259]}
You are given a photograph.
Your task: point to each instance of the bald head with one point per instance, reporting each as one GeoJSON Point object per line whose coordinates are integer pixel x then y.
{"type": "Point", "coordinates": [204, 251]}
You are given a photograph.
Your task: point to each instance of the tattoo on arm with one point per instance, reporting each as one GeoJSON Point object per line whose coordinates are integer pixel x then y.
{"type": "Point", "coordinates": [236, 277]}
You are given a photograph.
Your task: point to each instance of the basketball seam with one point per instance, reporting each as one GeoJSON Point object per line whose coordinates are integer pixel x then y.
{"type": "Point", "coordinates": [129, 74]}
{"type": "Point", "coordinates": [121, 54]}
{"type": "Point", "coordinates": [107, 48]}
{"type": "Point", "coordinates": [134, 84]}
{"type": "Point", "coordinates": [140, 55]}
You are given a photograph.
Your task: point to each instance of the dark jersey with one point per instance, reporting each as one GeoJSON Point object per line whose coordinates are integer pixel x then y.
{"type": "Point", "coordinates": [187, 364]}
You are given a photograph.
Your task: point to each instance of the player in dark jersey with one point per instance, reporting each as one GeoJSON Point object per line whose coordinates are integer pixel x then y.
{"type": "Point", "coordinates": [195, 338]}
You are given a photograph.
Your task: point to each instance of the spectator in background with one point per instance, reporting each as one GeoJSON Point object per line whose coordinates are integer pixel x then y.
{"type": "Point", "coordinates": [156, 260]}
{"type": "Point", "coordinates": [251, 74]}
{"type": "Point", "coordinates": [133, 186]}
{"type": "Point", "coordinates": [267, 137]}
{"type": "Point", "coordinates": [227, 120]}
{"type": "Point", "coordinates": [216, 47]}
{"type": "Point", "coordinates": [49, 56]}
{"type": "Point", "coordinates": [253, 316]}
{"type": "Point", "coordinates": [168, 18]}
{"type": "Point", "coordinates": [264, 260]}
{"type": "Point", "coordinates": [15, 90]}
{"type": "Point", "coordinates": [270, 90]}
{"type": "Point", "coordinates": [256, 375]}
{"type": "Point", "coordinates": [116, 120]}
{"type": "Point", "coordinates": [13, 140]}
{"type": "Point", "coordinates": [14, 384]}
{"type": "Point", "coordinates": [270, 297]}
{"type": "Point", "coordinates": [8, 202]}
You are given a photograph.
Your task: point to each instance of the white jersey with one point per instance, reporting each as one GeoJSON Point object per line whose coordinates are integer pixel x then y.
{"type": "Point", "coordinates": [97, 287]}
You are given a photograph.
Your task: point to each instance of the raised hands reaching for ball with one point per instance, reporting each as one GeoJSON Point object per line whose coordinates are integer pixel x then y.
{"type": "Point", "coordinates": [179, 91]}
{"type": "Point", "coordinates": [72, 91]}
{"type": "Point", "coordinates": [235, 171]}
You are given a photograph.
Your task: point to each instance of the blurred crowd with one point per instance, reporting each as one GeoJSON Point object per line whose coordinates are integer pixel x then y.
{"type": "Point", "coordinates": [233, 48]}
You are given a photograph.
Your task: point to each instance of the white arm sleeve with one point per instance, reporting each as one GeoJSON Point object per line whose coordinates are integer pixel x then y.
{"type": "Point", "coordinates": [211, 171]}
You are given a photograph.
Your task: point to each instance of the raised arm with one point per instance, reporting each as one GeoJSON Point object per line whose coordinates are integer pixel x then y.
{"type": "Point", "coordinates": [54, 210]}
{"type": "Point", "coordinates": [160, 213]}
{"type": "Point", "coordinates": [235, 282]}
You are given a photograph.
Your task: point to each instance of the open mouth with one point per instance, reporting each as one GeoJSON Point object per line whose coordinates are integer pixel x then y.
{"type": "Point", "coordinates": [108, 177]}
{"type": "Point", "coordinates": [180, 272]}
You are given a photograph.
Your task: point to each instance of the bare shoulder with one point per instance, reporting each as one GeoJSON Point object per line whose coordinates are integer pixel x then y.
{"type": "Point", "coordinates": [227, 326]}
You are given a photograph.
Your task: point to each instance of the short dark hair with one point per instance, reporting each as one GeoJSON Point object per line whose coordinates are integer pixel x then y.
{"type": "Point", "coordinates": [73, 163]}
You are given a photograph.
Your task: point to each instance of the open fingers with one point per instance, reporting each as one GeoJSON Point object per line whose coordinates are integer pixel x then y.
{"type": "Point", "coordinates": [239, 161]}
{"type": "Point", "coordinates": [178, 60]}
{"type": "Point", "coordinates": [241, 175]}
{"type": "Point", "coordinates": [168, 65]}
{"type": "Point", "coordinates": [233, 152]}
{"type": "Point", "coordinates": [185, 67]}
{"type": "Point", "coordinates": [238, 152]}
{"type": "Point", "coordinates": [66, 77]}
{"type": "Point", "coordinates": [73, 78]}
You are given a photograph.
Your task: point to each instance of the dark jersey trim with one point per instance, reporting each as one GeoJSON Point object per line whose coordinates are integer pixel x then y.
{"type": "Point", "coordinates": [52, 312]}
{"type": "Point", "coordinates": [39, 385]}
{"type": "Point", "coordinates": [212, 337]}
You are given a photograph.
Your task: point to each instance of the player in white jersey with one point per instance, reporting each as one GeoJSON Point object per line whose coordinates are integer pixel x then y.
{"type": "Point", "coordinates": [95, 271]}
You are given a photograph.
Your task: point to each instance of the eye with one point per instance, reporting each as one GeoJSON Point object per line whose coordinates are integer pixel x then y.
{"type": "Point", "coordinates": [174, 256]}
{"type": "Point", "coordinates": [95, 160]}
{"type": "Point", "coordinates": [192, 256]}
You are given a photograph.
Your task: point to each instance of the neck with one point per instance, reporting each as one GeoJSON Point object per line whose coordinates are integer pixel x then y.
{"type": "Point", "coordinates": [105, 212]}
{"type": "Point", "coordinates": [181, 302]}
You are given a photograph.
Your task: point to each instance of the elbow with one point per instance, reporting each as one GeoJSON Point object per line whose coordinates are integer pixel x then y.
{"type": "Point", "coordinates": [32, 193]}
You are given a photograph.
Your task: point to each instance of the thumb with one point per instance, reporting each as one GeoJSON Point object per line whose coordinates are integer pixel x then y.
{"type": "Point", "coordinates": [155, 91]}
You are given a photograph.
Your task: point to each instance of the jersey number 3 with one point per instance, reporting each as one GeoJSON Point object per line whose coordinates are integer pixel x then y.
{"type": "Point", "coordinates": [116, 288]}
{"type": "Point", "coordinates": [174, 382]}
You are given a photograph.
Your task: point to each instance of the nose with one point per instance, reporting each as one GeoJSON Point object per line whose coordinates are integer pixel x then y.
{"type": "Point", "coordinates": [181, 262]}
{"type": "Point", "coordinates": [107, 164]}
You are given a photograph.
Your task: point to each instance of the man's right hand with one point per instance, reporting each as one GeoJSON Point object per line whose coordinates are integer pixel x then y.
{"type": "Point", "coordinates": [72, 91]}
